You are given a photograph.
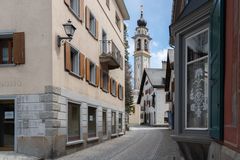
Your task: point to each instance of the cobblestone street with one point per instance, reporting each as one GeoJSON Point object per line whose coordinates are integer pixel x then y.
{"type": "Point", "coordinates": [137, 144]}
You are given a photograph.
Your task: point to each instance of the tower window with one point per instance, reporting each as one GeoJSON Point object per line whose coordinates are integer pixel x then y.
{"type": "Point", "coordinates": [139, 45]}
{"type": "Point", "coordinates": [145, 45]}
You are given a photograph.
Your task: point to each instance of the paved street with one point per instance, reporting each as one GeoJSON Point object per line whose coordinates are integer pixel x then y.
{"type": "Point", "coordinates": [138, 144]}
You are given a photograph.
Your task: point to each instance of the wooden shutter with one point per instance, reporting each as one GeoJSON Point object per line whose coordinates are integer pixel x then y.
{"type": "Point", "coordinates": [117, 89]}
{"type": "Point", "coordinates": [87, 69]}
{"type": "Point", "coordinates": [97, 75]}
{"type": "Point", "coordinates": [81, 14]}
{"type": "Point", "coordinates": [87, 18]}
{"type": "Point", "coordinates": [101, 78]}
{"type": "Point", "coordinates": [67, 2]}
{"type": "Point", "coordinates": [68, 64]}
{"type": "Point", "coordinates": [108, 89]}
{"type": "Point", "coordinates": [216, 94]}
{"type": "Point", "coordinates": [81, 64]}
{"type": "Point", "coordinates": [19, 48]}
{"type": "Point", "coordinates": [97, 29]}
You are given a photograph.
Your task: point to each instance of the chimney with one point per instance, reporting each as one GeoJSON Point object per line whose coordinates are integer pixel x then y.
{"type": "Point", "coordinates": [164, 64]}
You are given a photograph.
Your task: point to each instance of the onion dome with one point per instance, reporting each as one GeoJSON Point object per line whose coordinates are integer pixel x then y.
{"type": "Point", "coordinates": [141, 22]}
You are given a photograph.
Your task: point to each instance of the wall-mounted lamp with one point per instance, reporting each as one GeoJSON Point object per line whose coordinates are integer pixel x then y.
{"type": "Point", "coordinates": [69, 30]}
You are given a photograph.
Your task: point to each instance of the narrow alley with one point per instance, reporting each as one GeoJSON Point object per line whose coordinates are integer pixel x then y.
{"type": "Point", "coordinates": [142, 143]}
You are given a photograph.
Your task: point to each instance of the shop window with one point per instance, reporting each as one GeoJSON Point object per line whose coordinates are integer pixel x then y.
{"type": "Point", "coordinates": [114, 123]}
{"type": "Point", "coordinates": [120, 119]}
{"type": "Point", "coordinates": [73, 122]}
{"type": "Point", "coordinates": [197, 49]}
{"type": "Point", "coordinates": [92, 122]}
{"type": "Point", "coordinates": [104, 120]}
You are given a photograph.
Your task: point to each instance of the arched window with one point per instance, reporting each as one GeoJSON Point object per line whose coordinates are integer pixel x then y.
{"type": "Point", "coordinates": [139, 44]}
{"type": "Point", "coordinates": [145, 45]}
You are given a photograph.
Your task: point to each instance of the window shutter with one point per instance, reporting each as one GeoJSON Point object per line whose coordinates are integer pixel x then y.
{"type": "Point", "coordinates": [81, 7]}
{"type": "Point", "coordinates": [19, 48]}
{"type": "Point", "coordinates": [108, 89]}
{"type": "Point", "coordinates": [101, 78]}
{"type": "Point", "coordinates": [81, 64]}
{"type": "Point", "coordinates": [216, 60]}
{"type": "Point", "coordinates": [67, 2]}
{"type": "Point", "coordinates": [87, 18]}
{"type": "Point", "coordinates": [87, 68]}
{"type": "Point", "coordinates": [97, 76]}
{"type": "Point", "coordinates": [68, 64]}
{"type": "Point", "coordinates": [97, 30]}
{"type": "Point", "coordinates": [117, 89]}
{"type": "Point", "coordinates": [110, 85]}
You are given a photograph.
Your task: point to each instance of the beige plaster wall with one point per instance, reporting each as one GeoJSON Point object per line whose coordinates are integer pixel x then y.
{"type": "Point", "coordinates": [86, 44]}
{"type": "Point", "coordinates": [21, 16]}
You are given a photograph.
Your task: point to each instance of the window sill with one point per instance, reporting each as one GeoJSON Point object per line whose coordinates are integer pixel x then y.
{"type": "Point", "coordinates": [121, 133]}
{"type": "Point", "coordinates": [114, 135]}
{"type": "Point", "coordinates": [75, 15]}
{"type": "Point", "coordinates": [75, 75]}
{"type": "Point", "coordinates": [92, 84]}
{"type": "Point", "coordinates": [114, 95]}
{"type": "Point", "coordinates": [93, 139]}
{"type": "Point", "coordinates": [75, 142]}
{"type": "Point", "coordinates": [105, 90]}
{"type": "Point", "coordinates": [7, 65]}
{"type": "Point", "coordinates": [92, 35]}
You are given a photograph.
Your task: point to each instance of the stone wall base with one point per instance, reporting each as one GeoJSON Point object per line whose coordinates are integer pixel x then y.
{"type": "Point", "coordinates": [221, 152]}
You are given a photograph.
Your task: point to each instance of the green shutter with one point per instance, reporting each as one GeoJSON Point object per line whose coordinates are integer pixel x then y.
{"type": "Point", "coordinates": [217, 70]}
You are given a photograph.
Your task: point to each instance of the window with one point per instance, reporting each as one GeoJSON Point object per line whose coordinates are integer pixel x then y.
{"type": "Point", "coordinates": [12, 48]}
{"type": "Point", "coordinates": [92, 122]}
{"type": "Point", "coordinates": [74, 4]}
{"type": "Point", "coordinates": [6, 51]}
{"type": "Point", "coordinates": [92, 25]}
{"type": "Point", "coordinates": [104, 42]}
{"type": "Point", "coordinates": [114, 123]}
{"type": "Point", "coordinates": [108, 3]}
{"type": "Point", "coordinates": [104, 81]}
{"type": "Point", "coordinates": [197, 48]}
{"type": "Point", "coordinates": [73, 122]}
{"type": "Point", "coordinates": [74, 61]}
{"type": "Point", "coordinates": [145, 45]}
{"type": "Point", "coordinates": [104, 120]}
{"type": "Point", "coordinates": [113, 87]}
{"type": "Point", "coordinates": [139, 45]}
{"type": "Point", "coordinates": [118, 21]}
{"type": "Point", "coordinates": [120, 92]}
{"type": "Point", "coordinates": [186, 2]}
{"type": "Point", "coordinates": [120, 119]}
{"type": "Point", "coordinates": [92, 73]}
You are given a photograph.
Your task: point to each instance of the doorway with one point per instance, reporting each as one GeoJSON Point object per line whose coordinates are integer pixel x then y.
{"type": "Point", "coordinates": [7, 125]}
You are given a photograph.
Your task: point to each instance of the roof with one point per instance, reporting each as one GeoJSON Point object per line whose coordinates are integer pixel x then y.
{"type": "Point", "coordinates": [155, 77]}
{"type": "Point", "coordinates": [123, 9]}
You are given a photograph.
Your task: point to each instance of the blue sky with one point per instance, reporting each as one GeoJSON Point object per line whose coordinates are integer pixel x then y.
{"type": "Point", "coordinates": [157, 13]}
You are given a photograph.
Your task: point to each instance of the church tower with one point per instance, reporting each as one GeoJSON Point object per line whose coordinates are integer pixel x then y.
{"type": "Point", "coordinates": [141, 53]}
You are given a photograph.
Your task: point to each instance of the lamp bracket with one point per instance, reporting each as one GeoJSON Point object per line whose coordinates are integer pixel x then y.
{"type": "Point", "coordinates": [60, 40]}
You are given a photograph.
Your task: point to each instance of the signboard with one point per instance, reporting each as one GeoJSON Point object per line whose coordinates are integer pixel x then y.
{"type": "Point", "coordinates": [91, 118]}
{"type": "Point", "coordinates": [9, 115]}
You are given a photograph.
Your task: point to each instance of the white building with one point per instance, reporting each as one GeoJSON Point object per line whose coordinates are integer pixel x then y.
{"type": "Point", "coordinates": [152, 97]}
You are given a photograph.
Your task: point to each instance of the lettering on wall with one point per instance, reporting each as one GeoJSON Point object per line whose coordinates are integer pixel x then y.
{"type": "Point", "coordinates": [10, 83]}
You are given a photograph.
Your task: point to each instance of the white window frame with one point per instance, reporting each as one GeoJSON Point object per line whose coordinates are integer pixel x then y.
{"type": "Point", "coordinates": [77, 7]}
{"type": "Point", "coordinates": [92, 24]}
{"type": "Point", "coordinates": [78, 62]}
{"type": "Point", "coordinates": [92, 73]}
{"type": "Point", "coordinates": [186, 64]}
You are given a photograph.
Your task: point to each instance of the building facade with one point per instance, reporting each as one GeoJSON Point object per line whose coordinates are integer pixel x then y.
{"type": "Point", "coordinates": [204, 34]}
{"type": "Point", "coordinates": [141, 60]}
{"type": "Point", "coordinates": [56, 99]}
{"type": "Point", "coordinates": [152, 97]}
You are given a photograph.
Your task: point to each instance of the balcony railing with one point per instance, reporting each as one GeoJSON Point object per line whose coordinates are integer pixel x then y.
{"type": "Point", "coordinates": [110, 55]}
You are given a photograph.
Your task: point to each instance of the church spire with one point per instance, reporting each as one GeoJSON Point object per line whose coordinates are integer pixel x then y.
{"type": "Point", "coordinates": [141, 22]}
